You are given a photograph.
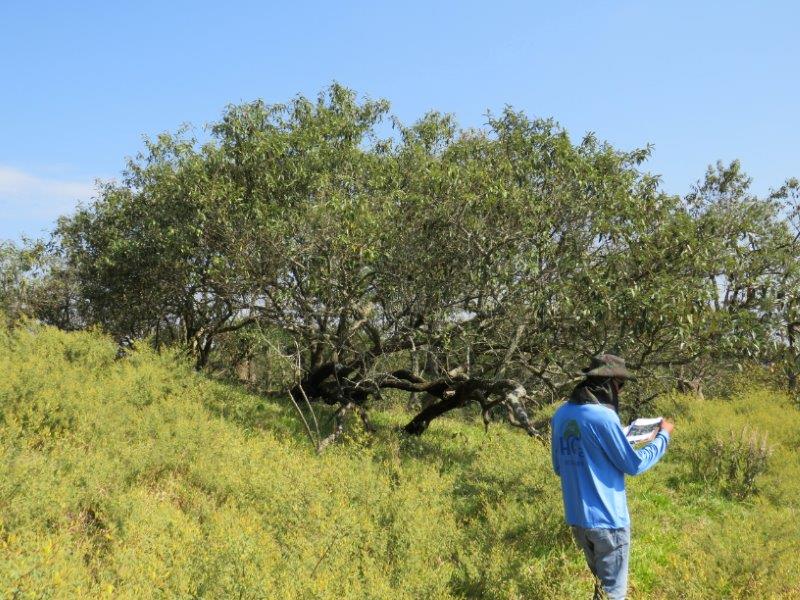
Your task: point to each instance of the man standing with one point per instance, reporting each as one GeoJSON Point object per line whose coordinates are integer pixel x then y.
{"type": "Point", "coordinates": [591, 456]}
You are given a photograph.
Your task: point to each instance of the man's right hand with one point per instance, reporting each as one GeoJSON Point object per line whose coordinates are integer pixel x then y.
{"type": "Point", "coordinates": [667, 426]}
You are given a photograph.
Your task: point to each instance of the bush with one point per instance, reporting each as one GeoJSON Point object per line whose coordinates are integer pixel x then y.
{"type": "Point", "coordinates": [732, 464]}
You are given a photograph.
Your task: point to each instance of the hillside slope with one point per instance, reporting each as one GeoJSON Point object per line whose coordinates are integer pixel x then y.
{"type": "Point", "coordinates": [140, 479]}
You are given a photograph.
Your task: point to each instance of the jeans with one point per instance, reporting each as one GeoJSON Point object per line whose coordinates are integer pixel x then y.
{"type": "Point", "coordinates": [606, 553]}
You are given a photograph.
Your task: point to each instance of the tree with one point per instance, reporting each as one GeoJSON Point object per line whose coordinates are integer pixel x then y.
{"type": "Point", "coordinates": [14, 265]}
{"type": "Point", "coordinates": [157, 254]}
{"type": "Point", "coordinates": [467, 265]}
{"type": "Point", "coordinates": [753, 251]}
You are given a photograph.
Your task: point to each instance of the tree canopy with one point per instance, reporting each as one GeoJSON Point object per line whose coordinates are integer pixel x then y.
{"type": "Point", "coordinates": [470, 265]}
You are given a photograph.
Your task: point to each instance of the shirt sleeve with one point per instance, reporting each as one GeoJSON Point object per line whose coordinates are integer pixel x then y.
{"type": "Point", "coordinates": [621, 453]}
{"type": "Point", "coordinates": [553, 453]}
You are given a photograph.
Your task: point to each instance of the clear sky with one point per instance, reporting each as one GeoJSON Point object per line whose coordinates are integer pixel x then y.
{"type": "Point", "coordinates": [81, 82]}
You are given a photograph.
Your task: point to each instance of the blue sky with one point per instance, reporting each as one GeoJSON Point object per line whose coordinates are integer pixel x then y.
{"type": "Point", "coordinates": [83, 81]}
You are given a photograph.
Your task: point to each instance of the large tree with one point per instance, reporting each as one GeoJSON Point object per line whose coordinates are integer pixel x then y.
{"type": "Point", "coordinates": [462, 265]}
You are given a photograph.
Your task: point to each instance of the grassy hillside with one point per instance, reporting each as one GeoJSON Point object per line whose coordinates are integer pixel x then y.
{"type": "Point", "coordinates": [140, 479]}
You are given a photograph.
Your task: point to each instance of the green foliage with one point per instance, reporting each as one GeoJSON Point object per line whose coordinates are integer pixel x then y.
{"type": "Point", "coordinates": [731, 463]}
{"type": "Point", "coordinates": [36, 282]}
{"type": "Point", "coordinates": [255, 357]}
{"type": "Point", "coordinates": [139, 478]}
{"type": "Point", "coordinates": [510, 250]}
{"type": "Point", "coordinates": [13, 266]}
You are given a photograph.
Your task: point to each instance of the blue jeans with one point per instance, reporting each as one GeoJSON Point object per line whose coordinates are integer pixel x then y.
{"type": "Point", "coordinates": [606, 553]}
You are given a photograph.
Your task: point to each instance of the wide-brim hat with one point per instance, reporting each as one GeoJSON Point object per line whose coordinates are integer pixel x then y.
{"type": "Point", "coordinates": [608, 365]}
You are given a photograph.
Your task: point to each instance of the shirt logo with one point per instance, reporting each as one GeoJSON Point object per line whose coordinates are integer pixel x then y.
{"type": "Point", "coordinates": [571, 429]}
{"type": "Point", "coordinates": [570, 443]}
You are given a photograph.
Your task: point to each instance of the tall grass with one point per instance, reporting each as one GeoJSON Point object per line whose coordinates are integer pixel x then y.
{"type": "Point", "coordinates": [141, 479]}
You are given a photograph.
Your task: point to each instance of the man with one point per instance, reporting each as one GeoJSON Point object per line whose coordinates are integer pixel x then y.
{"type": "Point", "coordinates": [591, 456]}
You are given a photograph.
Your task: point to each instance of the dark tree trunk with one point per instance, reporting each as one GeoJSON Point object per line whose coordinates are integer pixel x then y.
{"type": "Point", "coordinates": [420, 423]}
{"type": "Point", "coordinates": [337, 384]}
{"type": "Point", "coordinates": [203, 352]}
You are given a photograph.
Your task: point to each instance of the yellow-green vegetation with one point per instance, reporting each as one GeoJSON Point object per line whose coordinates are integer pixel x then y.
{"type": "Point", "coordinates": [139, 478]}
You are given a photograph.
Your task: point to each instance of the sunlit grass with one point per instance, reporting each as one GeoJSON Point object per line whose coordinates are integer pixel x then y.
{"type": "Point", "coordinates": [142, 479]}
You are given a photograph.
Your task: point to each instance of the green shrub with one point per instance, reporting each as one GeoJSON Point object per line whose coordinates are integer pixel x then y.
{"type": "Point", "coordinates": [732, 464]}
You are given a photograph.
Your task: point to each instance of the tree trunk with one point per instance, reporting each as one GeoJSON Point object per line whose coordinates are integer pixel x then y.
{"type": "Point", "coordinates": [420, 423]}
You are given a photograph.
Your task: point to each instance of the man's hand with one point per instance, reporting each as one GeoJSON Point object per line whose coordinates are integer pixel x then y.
{"type": "Point", "coordinates": [667, 426]}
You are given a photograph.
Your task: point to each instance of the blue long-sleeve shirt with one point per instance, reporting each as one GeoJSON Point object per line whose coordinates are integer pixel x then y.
{"type": "Point", "coordinates": [592, 457]}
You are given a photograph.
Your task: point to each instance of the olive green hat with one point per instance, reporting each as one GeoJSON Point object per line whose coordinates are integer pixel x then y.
{"type": "Point", "coordinates": [608, 365]}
